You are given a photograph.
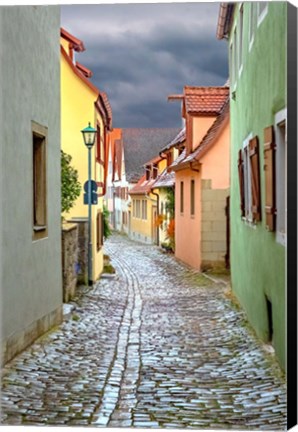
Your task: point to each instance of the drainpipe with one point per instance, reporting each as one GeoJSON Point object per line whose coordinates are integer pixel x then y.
{"type": "Point", "coordinates": [157, 196]}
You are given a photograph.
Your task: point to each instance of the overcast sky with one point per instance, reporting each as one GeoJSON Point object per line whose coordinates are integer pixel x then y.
{"type": "Point", "coordinates": [141, 53]}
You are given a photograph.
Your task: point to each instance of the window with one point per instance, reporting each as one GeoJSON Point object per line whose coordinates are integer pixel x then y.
{"type": "Point", "coordinates": [144, 209]}
{"type": "Point", "coordinates": [138, 208]}
{"type": "Point", "coordinates": [134, 207]}
{"type": "Point", "coordinates": [99, 230]}
{"type": "Point", "coordinates": [281, 176]}
{"type": "Point", "coordinates": [240, 54]}
{"type": "Point", "coordinates": [39, 138]}
{"type": "Point", "coordinates": [181, 197]}
{"type": "Point", "coordinates": [192, 197]}
{"type": "Point", "coordinates": [249, 180]}
{"type": "Point", "coordinates": [154, 171]}
{"type": "Point", "coordinates": [147, 173]}
{"type": "Point", "coordinates": [262, 11]}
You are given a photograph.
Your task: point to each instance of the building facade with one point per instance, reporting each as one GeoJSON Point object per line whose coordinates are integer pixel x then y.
{"type": "Point", "coordinates": [31, 280]}
{"type": "Point", "coordinates": [81, 103]}
{"type": "Point", "coordinates": [257, 39]}
{"type": "Point", "coordinates": [202, 179]}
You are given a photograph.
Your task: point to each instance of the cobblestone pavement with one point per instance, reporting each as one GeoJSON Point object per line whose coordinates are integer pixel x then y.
{"type": "Point", "coordinates": [157, 346]}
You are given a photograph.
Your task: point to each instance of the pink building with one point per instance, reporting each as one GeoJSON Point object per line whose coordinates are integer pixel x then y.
{"type": "Point", "coordinates": [202, 179]}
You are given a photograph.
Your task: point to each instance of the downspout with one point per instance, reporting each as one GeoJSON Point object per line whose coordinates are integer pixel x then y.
{"type": "Point", "coordinates": [157, 196]}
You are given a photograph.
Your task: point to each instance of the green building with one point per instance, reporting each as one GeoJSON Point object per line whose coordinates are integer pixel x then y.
{"type": "Point", "coordinates": [257, 44]}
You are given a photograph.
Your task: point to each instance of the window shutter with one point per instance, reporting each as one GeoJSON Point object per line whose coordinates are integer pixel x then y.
{"type": "Point", "coordinates": [269, 168]}
{"type": "Point", "coordinates": [255, 178]}
{"type": "Point", "coordinates": [241, 182]}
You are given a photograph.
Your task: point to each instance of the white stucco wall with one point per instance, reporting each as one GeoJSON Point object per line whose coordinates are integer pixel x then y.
{"type": "Point", "coordinates": [31, 285]}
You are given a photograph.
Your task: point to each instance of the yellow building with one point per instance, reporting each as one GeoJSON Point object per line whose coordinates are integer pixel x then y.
{"type": "Point", "coordinates": [164, 186]}
{"type": "Point", "coordinates": [81, 103]}
{"type": "Point", "coordinates": [145, 204]}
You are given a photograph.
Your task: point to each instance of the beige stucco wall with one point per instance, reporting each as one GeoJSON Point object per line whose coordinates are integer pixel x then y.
{"type": "Point", "coordinates": [187, 227]}
{"type": "Point", "coordinates": [216, 162]}
{"type": "Point", "coordinates": [200, 126]}
{"type": "Point", "coordinates": [31, 283]}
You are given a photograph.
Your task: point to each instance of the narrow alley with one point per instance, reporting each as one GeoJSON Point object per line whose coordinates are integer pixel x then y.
{"type": "Point", "coordinates": [158, 345]}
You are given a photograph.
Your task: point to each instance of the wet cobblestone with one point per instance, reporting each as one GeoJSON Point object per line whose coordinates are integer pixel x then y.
{"type": "Point", "coordinates": [157, 346]}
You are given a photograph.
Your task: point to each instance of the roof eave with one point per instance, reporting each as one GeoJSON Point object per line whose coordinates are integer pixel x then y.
{"type": "Point", "coordinates": [224, 20]}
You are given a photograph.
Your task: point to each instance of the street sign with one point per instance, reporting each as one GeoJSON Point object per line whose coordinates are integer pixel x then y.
{"type": "Point", "coordinates": [94, 197]}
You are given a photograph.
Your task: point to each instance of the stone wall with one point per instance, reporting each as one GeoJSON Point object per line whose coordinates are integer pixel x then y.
{"type": "Point", "coordinates": [69, 259]}
{"type": "Point", "coordinates": [214, 226]}
{"type": "Point", "coordinates": [82, 270]}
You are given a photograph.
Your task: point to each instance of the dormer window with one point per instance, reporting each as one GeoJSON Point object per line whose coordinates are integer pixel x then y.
{"type": "Point", "coordinates": [154, 171]}
{"type": "Point", "coordinates": [147, 172]}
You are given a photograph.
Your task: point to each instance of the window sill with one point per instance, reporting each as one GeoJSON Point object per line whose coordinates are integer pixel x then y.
{"type": "Point", "coordinates": [38, 228]}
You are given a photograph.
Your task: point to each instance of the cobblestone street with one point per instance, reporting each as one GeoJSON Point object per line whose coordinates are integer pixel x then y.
{"type": "Point", "coordinates": [158, 345]}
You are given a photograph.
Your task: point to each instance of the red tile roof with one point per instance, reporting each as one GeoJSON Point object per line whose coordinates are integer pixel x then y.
{"type": "Point", "coordinates": [207, 141]}
{"type": "Point", "coordinates": [142, 187]}
{"type": "Point", "coordinates": [205, 100]}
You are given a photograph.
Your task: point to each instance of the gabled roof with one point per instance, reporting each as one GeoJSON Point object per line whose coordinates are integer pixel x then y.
{"type": "Point", "coordinates": [207, 141]}
{"type": "Point", "coordinates": [179, 139]}
{"type": "Point", "coordinates": [142, 187]}
{"type": "Point", "coordinates": [141, 145]}
{"type": "Point", "coordinates": [224, 19]}
{"type": "Point", "coordinates": [76, 43]}
{"type": "Point", "coordinates": [211, 134]}
{"type": "Point", "coordinates": [165, 179]}
{"type": "Point", "coordinates": [202, 100]}
{"type": "Point", "coordinates": [78, 72]}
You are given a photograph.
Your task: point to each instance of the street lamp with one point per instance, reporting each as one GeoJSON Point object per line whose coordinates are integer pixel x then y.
{"type": "Point", "coordinates": [89, 134]}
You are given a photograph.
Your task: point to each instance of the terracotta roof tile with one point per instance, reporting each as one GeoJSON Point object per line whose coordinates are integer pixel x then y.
{"type": "Point", "coordinates": [208, 140]}
{"type": "Point", "coordinates": [142, 187]}
{"type": "Point", "coordinates": [205, 100]}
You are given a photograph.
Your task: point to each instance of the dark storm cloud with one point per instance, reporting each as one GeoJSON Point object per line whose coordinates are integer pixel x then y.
{"type": "Point", "coordinates": [141, 53]}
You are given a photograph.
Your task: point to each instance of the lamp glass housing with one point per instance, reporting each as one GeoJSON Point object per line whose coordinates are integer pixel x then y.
{"type": "Point", "coordinates": [89, 134]}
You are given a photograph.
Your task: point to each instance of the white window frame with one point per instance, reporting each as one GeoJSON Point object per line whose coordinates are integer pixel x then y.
{"type": "Point", "coordinates": [247, 180]}
{"type": "Point", "coordinates": [240, 41]}
{"type": "Point", "coordinates": [262, 15]}
{"type": "Point", "coordinates": [235, 57]}
{"type": "Point", "coordinates": [251, 25]}
{"type": "Point", "coordinates": [281, 178]}
{"type": "Point", "coordinates": [232, 78]}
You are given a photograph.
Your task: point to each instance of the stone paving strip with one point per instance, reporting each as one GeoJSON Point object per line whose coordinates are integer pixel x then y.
{"type": "Point", "coordinates": [158, 346]}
